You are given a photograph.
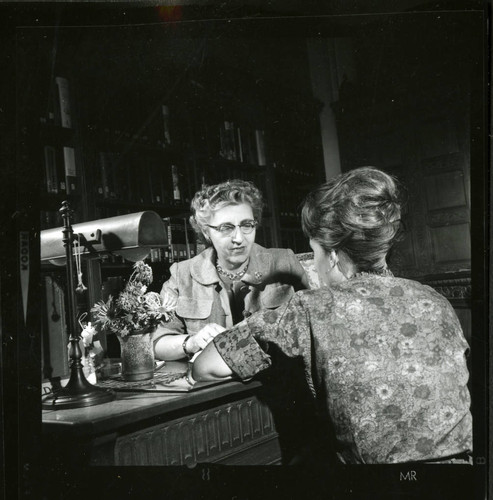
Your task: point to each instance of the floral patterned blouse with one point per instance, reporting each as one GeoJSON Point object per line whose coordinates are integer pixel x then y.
{"type": "Point", "coordinates": [384, 356]}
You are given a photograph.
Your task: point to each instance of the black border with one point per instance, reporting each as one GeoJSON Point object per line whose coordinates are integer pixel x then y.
{"type": "Point", "coordinates": [23, 468]}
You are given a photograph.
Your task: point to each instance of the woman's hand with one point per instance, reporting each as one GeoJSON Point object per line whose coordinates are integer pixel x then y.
{"type": "Point", "coordinates": [199, 341]}
{"type": "Point", "coordinates": [209, 365]}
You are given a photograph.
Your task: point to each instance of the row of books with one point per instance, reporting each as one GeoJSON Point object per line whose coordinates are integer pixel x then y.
{"type": "Point", "coordinates": [59, 112]}
{"type": "Point", "coordinates": [151, 180]}
{"type": "Point", "coordinates": [49, 219]}
{"type": "Point", "coordinates": [220, 172]}
{"type": "Point", "coordinates": [264, 234]}
{"type": "Point", "coordinates": [282, 168]}
{"type": "Point", "coordinates": [53, 218]}
{"type": "Point", "coordinates": [108, 135]}
{"type": "Point", "coordinates": [290, 197]}
{"type": "Point", "coordinates": [59, 107]}
{"type": "Point", "coordinates": [181, 240]}
{"type": "Point", "coordinates": [175, 252]}
{"type": "Point", "coordinates": [242, 144]}
{"type": "Point", "coordinates": [60, 170]}
{"type": "Point", "coordinates": [294, 239]}
{"type": "Point", "coordinates": [156, 134]}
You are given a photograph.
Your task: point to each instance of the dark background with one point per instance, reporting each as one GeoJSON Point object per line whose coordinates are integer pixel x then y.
{"type": "Point", "coordinates": [385, 66]}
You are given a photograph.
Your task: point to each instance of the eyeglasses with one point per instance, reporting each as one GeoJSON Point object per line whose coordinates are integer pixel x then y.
{"type": "Point", "coordinates": [227, 229]}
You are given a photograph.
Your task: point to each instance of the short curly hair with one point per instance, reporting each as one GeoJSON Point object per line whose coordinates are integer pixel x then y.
{"type": "Point", "coordinates": [358, 213]}
{"type": "Point", "coordinates": [214, 197]}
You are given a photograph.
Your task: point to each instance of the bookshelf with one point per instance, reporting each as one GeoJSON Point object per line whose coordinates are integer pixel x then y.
{"type": "Point", "coordinates": [58, 155]}
{"type": "Point", "coordinates": [145, 146]}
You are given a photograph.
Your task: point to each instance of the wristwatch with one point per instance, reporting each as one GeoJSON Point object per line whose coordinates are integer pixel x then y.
{"type": "Point", "coordinates": [184, 347]}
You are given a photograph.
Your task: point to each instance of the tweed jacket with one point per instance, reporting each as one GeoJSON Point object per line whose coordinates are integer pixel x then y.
{"type": "Point", "coordinates": [272, 277]}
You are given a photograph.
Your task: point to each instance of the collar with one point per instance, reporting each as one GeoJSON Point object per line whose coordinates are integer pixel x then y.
{"type": "Point", "coordinates": [203, 269]}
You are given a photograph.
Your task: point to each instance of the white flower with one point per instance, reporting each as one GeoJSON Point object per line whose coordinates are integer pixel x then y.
{"type": "Point", "coordinates": [337, 364]}
{"type": "Point", "coordinates": [406, 345]}
{"type": "Point", "coordinates": [411, 369]}
{"type": "Point", "coordinates": [152, 300]}
{"type": "Point", "coordinates": [381, 340]}
{"type": "Point", "coordinates": [419, 308]}
{"type": "Point", "coordinates": [169, 299]}
{"type": "Point", "coordinates": [443, 418]}
{"type": "Point", "coordinates": [426, 305]}
{"type": "Point", "coordinates": [415, 311]}
{"type": "Point", "coordinates": [371, 366]}
{"type": "Point", "coordinates": [355, 308]}
{"type": "Point", "coordinates": [384, 391]}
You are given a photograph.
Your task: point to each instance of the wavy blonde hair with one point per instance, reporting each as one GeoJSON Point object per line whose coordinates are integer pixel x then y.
{"type": "Point", "coordinates": [214, 197]}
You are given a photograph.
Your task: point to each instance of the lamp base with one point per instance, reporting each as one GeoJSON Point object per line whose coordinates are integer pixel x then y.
{"type": "Point", "coordinates": [78, 393]}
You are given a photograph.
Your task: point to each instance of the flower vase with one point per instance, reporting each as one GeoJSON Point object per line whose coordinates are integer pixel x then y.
{"type": "Point", "coordinates": [137, 355]}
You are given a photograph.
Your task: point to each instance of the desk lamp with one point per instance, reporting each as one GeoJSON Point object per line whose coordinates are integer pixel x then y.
{"type": "Point", "coordinates": [131, 236]}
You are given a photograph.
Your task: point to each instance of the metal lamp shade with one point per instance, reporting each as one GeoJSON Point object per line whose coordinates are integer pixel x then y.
{"type": "Point", "coordinates": [131, 236]}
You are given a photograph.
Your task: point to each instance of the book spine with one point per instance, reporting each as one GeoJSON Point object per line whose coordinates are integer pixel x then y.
{"type": "Point", "coordinates": [227, 141]}
{"type": "Point", "coordinates": [260, 142]}
{"type": "Point", "coordinates": [109, 176]}
{"type": "Point", "coordinates": [240, 145]}
{"type": "Point", "coordinates": [154, 255]}
{"type": "Point", "coordinates": [64, 102]}
{"type": "Point", "coordinates": [103, 189]}
{"type": "Point", "coordinates": [175, 179]}
{"type": "Point", "coordinates": [222, 142]}
{"type": "Point", "coordinates": [48, 117]}
{"type": "Point", "coordinates": [167, 221]}
{"type": "Point", "coordinates": [156, 183]}
{"type": "Point", "coordinates": [70, 170]}
{"type": "Point", "coordinates": [49, 219]}
{"type": "Point", "coordinates": [120, 177]}
{"type": "Point", "coordinates": [166, 125]}
{"type": "Point", "coordinates": [51, 177]}
{"type": "Point", "coordinates": [143, 175]}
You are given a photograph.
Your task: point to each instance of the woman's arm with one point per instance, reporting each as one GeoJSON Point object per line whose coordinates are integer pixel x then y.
{"type": "Point", "coordinates": [238, 350]}
{"type": "Point", "coordinates": [178, 346]}
{"type": "Point", "coordinates": [209, 365]}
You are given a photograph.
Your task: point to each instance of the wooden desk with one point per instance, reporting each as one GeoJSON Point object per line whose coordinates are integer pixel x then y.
{"type": "Point", "coordinates": [225, 423]}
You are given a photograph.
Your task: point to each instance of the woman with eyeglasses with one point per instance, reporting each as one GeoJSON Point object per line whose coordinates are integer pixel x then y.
{"type": "Point", "coordinates": [385, 357]}
{"type": "Point", "coordinates": [231, 279]}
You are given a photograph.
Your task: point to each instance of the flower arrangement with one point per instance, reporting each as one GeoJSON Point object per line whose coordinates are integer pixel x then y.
{"type": "Point", "coordinates": [135, 310]}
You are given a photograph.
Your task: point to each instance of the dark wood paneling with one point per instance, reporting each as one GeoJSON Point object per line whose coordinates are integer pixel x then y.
{"type": "Point", "coordinates": [222, 433]}
{"type": "Point", "coordinates": [223, 424]}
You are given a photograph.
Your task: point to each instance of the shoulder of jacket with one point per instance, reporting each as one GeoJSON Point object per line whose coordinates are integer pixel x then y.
{"type": "Point", "coordinates": [277, 252]}
{"type": "Point", "coordinates": [184, 266]}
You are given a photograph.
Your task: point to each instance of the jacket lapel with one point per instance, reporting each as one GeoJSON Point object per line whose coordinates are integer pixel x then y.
{"type": "Point", "coordinates": [258, 267]}
{"type": "Point", "coordinates": [203, 270]}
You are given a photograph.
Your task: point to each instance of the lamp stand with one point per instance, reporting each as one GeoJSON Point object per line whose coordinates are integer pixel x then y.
{"type": "Point", "coordinates": [78, 392]}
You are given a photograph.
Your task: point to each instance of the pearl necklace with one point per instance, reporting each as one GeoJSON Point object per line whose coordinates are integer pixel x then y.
{"type": "Point", "coordinates": [232, 276]}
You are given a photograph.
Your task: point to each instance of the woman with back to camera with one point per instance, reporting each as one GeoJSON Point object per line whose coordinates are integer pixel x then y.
{"type": "Point", "coordinates": [385, 357]}
{"type": "Point", "coordinates": [232, 278]}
